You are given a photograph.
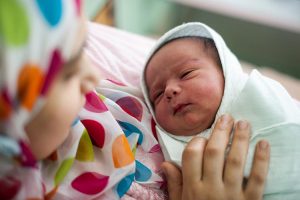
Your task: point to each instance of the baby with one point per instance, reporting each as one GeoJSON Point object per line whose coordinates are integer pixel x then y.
{"type": "Point", "coordinates": [191, 78]}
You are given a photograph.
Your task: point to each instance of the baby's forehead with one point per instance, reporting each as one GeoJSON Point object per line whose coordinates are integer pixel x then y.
{"type": "Point", "coordinates": [199, 40]}
{"type": "Point", "coordinates": [205, 44]}
{"type": "Point", "coordinates": [174, 41]}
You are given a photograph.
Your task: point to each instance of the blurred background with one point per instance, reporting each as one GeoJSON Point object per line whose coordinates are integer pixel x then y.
{"type": "Point", "coordinates": [263, 33]}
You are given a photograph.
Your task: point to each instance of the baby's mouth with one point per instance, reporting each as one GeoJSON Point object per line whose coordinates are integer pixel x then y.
{"type": "Point", "coordinates": [179, 107]}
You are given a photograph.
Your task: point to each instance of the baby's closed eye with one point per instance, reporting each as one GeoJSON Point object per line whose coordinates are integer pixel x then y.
{"type": "Point", "coordinates": [187, 74]}
{"type": "Point", "coordinates": [156, 96]}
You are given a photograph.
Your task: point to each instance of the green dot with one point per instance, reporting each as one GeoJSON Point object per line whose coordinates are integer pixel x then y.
{"type": "Point", "coordinates": [63, 170]}
{"type": "Point", "coordinates": [14, 28]}
{"type": "Point", "coordinates": [85, 150]}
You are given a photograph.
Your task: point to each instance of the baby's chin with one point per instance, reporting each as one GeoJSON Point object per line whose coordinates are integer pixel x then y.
{"type": "Point", "coordinates": [188, 129]}
{"type": "Point", "coordinates": [185, 131]}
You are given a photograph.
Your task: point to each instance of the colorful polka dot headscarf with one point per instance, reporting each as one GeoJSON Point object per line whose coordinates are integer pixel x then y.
{"type": "Point", "coordinates": [36, 38]}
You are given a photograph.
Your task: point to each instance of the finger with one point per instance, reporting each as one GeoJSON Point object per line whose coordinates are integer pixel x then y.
{"type": "Point", "coordinates": [235, 162]}
{"type": "Point", "coordinates": [259, 171]}
{"type": "Point", "coordinates": [215, 149]}
{"type": "Point", "coordinates": [192, 161]}
{"type": "Point", "coordinates": [174, 180]}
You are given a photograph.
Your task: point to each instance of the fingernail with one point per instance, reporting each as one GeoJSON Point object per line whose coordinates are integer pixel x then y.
{"type": "Point", "coordinates": [242, 125]}
{"type": "Point", "coordinates": [263, 145]}
{"type": "Point", "coordinates": [224, 121]}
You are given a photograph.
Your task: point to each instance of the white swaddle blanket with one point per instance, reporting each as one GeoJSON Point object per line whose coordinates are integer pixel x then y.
{"type": "Point", "coordinates": [272, 113]}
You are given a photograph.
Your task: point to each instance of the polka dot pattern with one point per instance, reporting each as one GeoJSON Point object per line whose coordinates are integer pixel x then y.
{"type": "Point", "coordinates": [156, 148]}
{"type": "Point", "coordinates": [9, 187]}
{"type": "Point", "coordinates": [85, 150]}
{"type": "Point", "coordinates": [90, 183]}
{"type": "Point", "coordinates": [51, 193]}
{"type": "Point", "coordinates": [75, 121]}
{"type": "Point", "coordinates": [124, 185]}
{"type": "Point", "coordinates": [51, 10]}
{"type": "Point", "coordinates": [27, 158]}
{"type": "Point", "coordinates": [94, 103]}
{"type": "Point", "coordinates": [54, 67]}
{"type": "Point", "coordinates": [5, 105]}
{"type": "Point", "coordinates": [29, 85]}
{"type": "Point", "coordinates": [116, 82]}
{"type": "Point", "coordinates": [95, 131]}
{"type": "Point", "coordinates": [131, 106]}
{"type": "Point", "coordinates": [129, 129]}
{"type": "Point", "coordinates": [53, 156]}
{"type": "Point", "coordinates": [78, 6]}
{"type": "Point", "coordinates": [102, 97]}
{"type": "Point", "coordinates": [14, 25]}
{"type": "Point", "coordinates": [153, 124]}
{"type": "Point", "coordinates": [121, 152]}
{"type": "Point", "coordinates": [63, 170]}
{"type": "Point", "coordinates": [142, 173]}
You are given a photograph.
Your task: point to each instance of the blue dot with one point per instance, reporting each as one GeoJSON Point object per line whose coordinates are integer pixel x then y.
{"type": "Point", "coordinates": [51, 10]}
{"type": "Point", "coordinates": [128, 129]}
{"type": "Point", "coordinates": [124, 185]}
{"type": "Point", "coordinates": [142, 173]}
{"type": "Point", "coordinates": [76, 120]}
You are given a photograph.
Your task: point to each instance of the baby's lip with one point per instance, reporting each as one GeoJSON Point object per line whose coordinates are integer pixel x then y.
{"type": "Point", "coordinates": [179, 107]}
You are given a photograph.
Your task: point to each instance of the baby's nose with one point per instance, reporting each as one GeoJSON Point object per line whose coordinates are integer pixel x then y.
{"type": "Point", "coordinates": [172, 90]}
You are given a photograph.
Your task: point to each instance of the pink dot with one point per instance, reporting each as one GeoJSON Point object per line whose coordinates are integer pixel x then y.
{"type": "Point", "coordinates": [9, 187]}
{"type": "Point", "coordinates": [116, 82]}
{"type": "Point", "coordinates": [27, 158]}
{"type": "Point", "coordinates": [78, 6]}
{"type": "Point", "coordinates": [90, 183]}
{"type": "Point", "coordinates": [155, 148]}
{"type": "Point", "coordinates": [153, 124]}
{"type": "Point", "coordinates": [94, 103]}
{"type": "Point", "coordinates": [131, 106]}
{"type": "Point", "coordinates": [95, 131]}
{"type": "Point", "coordinates": [54, 66]}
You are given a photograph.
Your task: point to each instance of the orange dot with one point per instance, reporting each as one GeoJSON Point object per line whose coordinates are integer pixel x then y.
{"type": "Point", "coordinates": [51, 194]}
{"type": "Point", "coordinates": [5, 108]}
{"type": "Point", "coordinates": [121, 152]}
{"type": "Point", "coordinates": [29, 85]}
{"type": "Point", "coordinates": [53, 156]}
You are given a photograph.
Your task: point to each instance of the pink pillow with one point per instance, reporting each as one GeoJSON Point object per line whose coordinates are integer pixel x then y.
{"type": "Point", "coordinates": [118, 54]}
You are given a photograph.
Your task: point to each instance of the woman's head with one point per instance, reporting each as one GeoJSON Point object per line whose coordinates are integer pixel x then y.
{"type": "Point", "coordinates": [44, 72]}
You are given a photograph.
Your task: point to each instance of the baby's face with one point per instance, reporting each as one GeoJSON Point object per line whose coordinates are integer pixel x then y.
{"type": "Point", "coordinates": [66, 95]}
{"type": "Point", "coordinates": [185, 87]}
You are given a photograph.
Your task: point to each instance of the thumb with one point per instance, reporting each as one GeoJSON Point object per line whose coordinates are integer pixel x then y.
{"type": "Point", "coordinates": [174, 180]}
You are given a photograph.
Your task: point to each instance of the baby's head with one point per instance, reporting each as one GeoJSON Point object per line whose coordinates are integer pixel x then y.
{"type": "Point", "coordinates": [183, 80]}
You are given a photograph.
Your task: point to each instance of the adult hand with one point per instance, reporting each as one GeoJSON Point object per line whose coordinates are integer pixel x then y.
{"type": "Point", "coordinates": [207, 175]}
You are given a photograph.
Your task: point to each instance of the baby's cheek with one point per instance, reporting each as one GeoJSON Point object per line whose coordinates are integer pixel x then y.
{"type": "Point", "coordinates": [213, 90]}
{"type": "Point", "coordinates": [162, 117]}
